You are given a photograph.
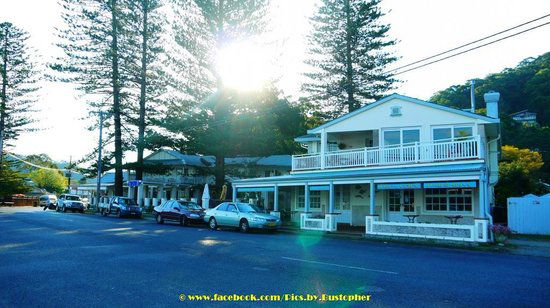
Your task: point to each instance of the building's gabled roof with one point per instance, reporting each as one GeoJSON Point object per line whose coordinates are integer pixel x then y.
{"type": "Point", "coordinates": [240, 160]}
{"type": "Point", "coordinates": [407, 99]}
{"type": "Point", "coordinates": [210, 161]}
{"type": "Point", "coordinates": [108, 178]}
{"type": "Point", "coordinates": [307, 138]}
{"type": "Point", "coordinates": [186, 159]}
{"type": "Point", "coordinates": [275, 160]}
{"type": "Point", "coordinates": [522, 111]}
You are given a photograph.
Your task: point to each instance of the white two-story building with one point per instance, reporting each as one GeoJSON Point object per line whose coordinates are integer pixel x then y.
{"type": "Point", "coordinates": [399, 166]}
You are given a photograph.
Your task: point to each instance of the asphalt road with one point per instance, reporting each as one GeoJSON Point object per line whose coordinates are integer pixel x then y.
{"type": "Point", "coordinates": [51, 259]}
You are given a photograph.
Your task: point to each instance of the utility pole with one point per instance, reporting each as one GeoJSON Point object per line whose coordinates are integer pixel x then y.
{"type": "Point", "coordinates": [99, 149]}
{"type": "Point", "coordinates": [69, 173]}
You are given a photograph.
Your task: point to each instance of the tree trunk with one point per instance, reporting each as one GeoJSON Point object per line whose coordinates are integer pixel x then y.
{"type": "Point", "coordinates": [3, 96]}
{"type": "Point", "coordinates": [220, 171]}
{"type": "Point", "coordinates": [143, 83]}
{"type": "Point", "coordinates": [349, 65]}
{"type": "Point", "coordinates": [218, 111]}
{"type": "Point", "coordinates": [116, 103]}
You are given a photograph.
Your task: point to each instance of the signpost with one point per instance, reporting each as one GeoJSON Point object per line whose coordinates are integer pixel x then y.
{"type": "Point", "coordinates": [134, 183]}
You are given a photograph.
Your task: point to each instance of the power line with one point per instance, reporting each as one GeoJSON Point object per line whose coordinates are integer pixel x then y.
{"type": "Point", "coordinates": [468, 50]}
{"type": "Point", "coordinates": [32, 164]}
{"type": "Point", "coordinates": [468, 44]}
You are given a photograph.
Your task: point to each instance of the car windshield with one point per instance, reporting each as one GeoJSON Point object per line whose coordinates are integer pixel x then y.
{"type": "Point", "coordinates": [247, 208]}
{"type": "Point", "coordinates": [122, 201]}
{"type": "Point", "coordinates": [190, 205]}
{"type": "Point", "coordinates": [73, 198]}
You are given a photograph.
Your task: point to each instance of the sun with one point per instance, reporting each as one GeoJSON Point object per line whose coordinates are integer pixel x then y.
{"type": "Point", "coordinates": [245, 66]}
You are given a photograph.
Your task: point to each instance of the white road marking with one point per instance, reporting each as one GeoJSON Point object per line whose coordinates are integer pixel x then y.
{"type": "Point", "coordinates": [340, 265]}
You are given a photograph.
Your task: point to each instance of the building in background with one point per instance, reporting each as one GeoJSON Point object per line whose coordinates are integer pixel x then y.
{"type": "Point", "coordinates": [525, 117]}
{"type": "Point", "coordinates": [183, 176]}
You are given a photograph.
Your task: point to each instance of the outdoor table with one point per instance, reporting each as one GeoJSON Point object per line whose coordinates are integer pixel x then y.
{"type": "Point", "coordinates": [453, 219]}
{"type": "Point", "coordinates": [411, 218]}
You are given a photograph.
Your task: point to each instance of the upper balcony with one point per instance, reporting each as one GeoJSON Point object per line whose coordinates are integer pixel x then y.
{"type": "Point", "coordinates": [403, 154]}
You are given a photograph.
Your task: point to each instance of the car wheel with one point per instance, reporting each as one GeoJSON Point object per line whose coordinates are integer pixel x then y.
{"type": "Point", "coordinates": [57, 208]}
{"type": "Point", "coordinates": [64, 210]}
{"type": "Point", "coordinates": [159, 219]}
{"type": "Point", "coordinates": [243, 226]}
{"type": "Point", "coordinates": [103, 212]}
{"type": "Point", "coordinates": [119, 214]}
{"type": "Point", "coordinates": [81, 211]}
{"type": "Point", "coordinates": [183, 220]}
{"type": "Point", "coordinates": [213, 224]}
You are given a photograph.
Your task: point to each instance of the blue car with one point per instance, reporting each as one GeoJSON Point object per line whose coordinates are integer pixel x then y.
{"type": "Point", "coordinates": [122, 206]}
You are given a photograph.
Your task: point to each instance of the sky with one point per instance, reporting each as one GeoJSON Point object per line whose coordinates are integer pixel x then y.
{"type": "Point", "coordinates": [422, 27]}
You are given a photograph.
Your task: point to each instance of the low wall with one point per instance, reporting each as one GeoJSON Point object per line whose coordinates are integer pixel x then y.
{"type": "Point", "coordinates": [477, 232]}
{"type": "Point", "coordinates": [328, 223]}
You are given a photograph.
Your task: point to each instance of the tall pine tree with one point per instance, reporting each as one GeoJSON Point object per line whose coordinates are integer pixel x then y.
{"type": "Point", "coordinates": [93, 57]}
{"type": "Point", "coordinates": [146, 30]}
{"type": "Point", "coordinates": [19, 74]}
{"type": "Point", "coordinates": [348, 55]}
{"type": "Point", "coordinates": [205, 28]}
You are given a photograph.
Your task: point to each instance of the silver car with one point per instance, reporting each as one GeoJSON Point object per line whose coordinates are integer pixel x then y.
{"type": "Point", "coordinates": [242, 215]}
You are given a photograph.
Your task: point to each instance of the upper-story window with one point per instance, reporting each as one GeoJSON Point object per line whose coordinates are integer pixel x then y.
{"type": "Point", "coordinates": [401, 136]}
{"type": "Point", "coordinates": [451, 133]}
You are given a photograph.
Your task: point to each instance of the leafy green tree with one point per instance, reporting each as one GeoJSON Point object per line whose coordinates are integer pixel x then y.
{"type": "Point", "coordinates": [516, 173]}
{"type": "Point", "coordinates": [525, 86]}
{"type": "Point", "coordinates": [19, 74]}
{"type": "Point", "coordinates": [93, 40]}
{"type": "Point", "coordinates": [50, 180]}
{"type": "Point", "coordinates": [11, 182]}
{"type": "Point", "coordinates": [202, 28]}
{"type": "Point", "coordinates": [260, 123]}
{"type": "Point", "coordinates": [348, 56]}
{"type": "Point", "coordinates": [522, 87]}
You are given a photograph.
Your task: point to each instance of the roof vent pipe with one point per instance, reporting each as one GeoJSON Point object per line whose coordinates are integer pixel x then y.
{"type": "Point", "coordinates": [472, 96]}
{"type": "Point", "coordinates": [491, 101]}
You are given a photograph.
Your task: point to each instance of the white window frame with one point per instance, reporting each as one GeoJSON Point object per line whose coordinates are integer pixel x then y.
{"type": "Point", "coordinates": [312, 194]}
{"type": "Point", "coordinates": [448, 212]}
{"type": "Point", "coordinates": [453, 127]}
{"type": "Point", "coordinates": [400, 129]}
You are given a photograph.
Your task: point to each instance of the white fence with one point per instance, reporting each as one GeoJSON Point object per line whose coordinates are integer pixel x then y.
{"type": "Point", "coordinates": [478, 232]}
{"type": "Point", "coordinates": [308, 222]}
{"type": "Point", "coordinates": [401, 154]}
{"type": "Point", "coordinates": [529, 215]}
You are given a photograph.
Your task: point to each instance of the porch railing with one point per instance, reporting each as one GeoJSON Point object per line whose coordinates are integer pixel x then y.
{"type": "Point", "coordinates": [418, 152]}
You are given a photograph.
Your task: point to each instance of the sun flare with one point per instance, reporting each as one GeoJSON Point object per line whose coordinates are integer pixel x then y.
{"type": "Point", "coordinates": [244, 66]}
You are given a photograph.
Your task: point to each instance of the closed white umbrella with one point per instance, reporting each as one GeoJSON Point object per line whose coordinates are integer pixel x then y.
{"type": "Point", "coordinates": [205, 197]}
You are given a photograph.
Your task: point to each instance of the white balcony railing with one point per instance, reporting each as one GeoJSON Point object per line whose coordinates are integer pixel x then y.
{"type": "Point", "coordinates": [401, 154]}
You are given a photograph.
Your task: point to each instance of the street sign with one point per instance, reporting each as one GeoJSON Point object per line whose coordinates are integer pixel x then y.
{"type": "Point", "coordinates": [134, 183]}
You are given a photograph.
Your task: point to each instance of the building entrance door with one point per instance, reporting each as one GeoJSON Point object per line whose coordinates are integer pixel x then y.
{"type": "Point", "coordinates": [400, 203]}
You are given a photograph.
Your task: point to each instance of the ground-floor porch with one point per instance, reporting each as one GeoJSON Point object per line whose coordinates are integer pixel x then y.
{"type": "Point", "coordinates": [147, 194]}
{"type": "Point", "coordinates": [427, 205]}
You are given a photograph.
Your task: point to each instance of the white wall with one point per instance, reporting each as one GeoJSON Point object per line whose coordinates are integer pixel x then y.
{"type": "Point", "coordinates": [529, 215]}
{"type": "Point", "coordinates": [412, 115]}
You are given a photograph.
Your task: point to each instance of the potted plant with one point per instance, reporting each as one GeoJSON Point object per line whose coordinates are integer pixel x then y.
{"type": "Point", "coordinates": [501, 233]}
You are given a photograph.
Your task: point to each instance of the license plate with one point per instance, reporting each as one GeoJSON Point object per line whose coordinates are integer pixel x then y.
{"type": "Point", "coordinates": [271, 224]}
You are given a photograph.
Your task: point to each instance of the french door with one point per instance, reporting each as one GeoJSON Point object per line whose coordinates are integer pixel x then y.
{"type": "Point", "coordinates": [399, 145]}
{"type": "Point", "coordinates": [400, 203]}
